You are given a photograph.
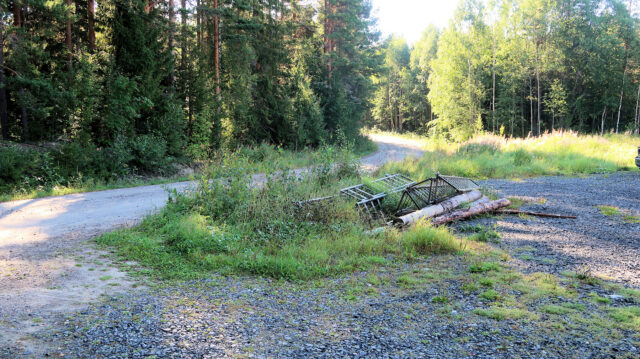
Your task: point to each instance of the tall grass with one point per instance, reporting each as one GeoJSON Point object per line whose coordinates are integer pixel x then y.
{"type": "Point", "coordinates": [229, 225]}
{"type": "Point", "coordinates": [560, 153]}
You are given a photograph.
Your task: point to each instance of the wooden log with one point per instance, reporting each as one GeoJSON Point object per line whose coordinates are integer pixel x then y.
{"type": "Point", "coordinates": [548, 215]}
{"type": "Point", "coordinates": [470, 212]}
{"type": "Point", "coordinates": [482, 200]}
{"type": "Point", "coordinates": [440, 208]}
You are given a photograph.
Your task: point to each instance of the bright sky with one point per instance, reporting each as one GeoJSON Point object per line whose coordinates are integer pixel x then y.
{"type": "Point", "coordinates": [409, 18]}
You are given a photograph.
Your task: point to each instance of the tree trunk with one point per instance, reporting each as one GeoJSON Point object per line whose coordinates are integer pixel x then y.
{"type": "Point", "coordinates": [637, 114]}
{"type": "Point", "coordinates": [531, 105]}
{"type": "Point", "coordinates": [621, 96]}
{"type": "Point", "coordinates": [23, 116]}
{"type": "Point", "coordinates": [328, 41]}
{"type": "Point", "coordinates": [91, 16]}
{"type": "Point", "coordinates": [538, 85]}
{"type": "Point", "coordinates": [4, 118]}
{"type": "Point", "coordinates": [149, 5]}
{"type": "Point", "coordinates": [183, 19]}
{"type": "Point", "coordinates": [17, 22]}
{"type": "Point", "coordinates": [400, 115]}
{"type": "Point", "coordinates": [198, 28]}
{"type": "Point", "coordinates": [604, 113]}
{"type": "Point", "coordinates": [493, 96]}
{"type": "Point", "coordinates": [216, 48]}
{"type": "Point", "coordinates": [544, 215]}
{"type": "Point", "coordinates": [68, 38]}
{"type": "Point", "coordinates": [17, 12]}
{"type": "Point", "coordinates": [172, 76]}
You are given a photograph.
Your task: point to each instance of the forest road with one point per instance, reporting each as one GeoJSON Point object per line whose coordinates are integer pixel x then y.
{"type": "Point", "coordinates": [47, 264]}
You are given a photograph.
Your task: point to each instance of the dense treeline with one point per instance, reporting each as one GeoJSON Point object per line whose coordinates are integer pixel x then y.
{"type": "Point", "coordinates": [516, 67]}
{"type": "Point", "coordinates": [128, 83]}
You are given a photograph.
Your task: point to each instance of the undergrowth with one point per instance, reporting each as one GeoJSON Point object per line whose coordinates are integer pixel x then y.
{"type": "Point", "coordinates": [232, 225]}
{"type": "Point", "coordinates": [27, 173]}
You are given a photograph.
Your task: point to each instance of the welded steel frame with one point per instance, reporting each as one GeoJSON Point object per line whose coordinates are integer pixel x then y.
{"type": "Point", "coordinates": [434, 190]}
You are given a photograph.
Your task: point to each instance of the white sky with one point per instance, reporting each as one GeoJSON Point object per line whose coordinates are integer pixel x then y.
{"type": "Point", "coordinates": [408, 18]}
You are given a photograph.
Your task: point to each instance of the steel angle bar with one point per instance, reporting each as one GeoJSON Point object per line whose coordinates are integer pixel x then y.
{"type": "Point", "coordinates": [461, 184]}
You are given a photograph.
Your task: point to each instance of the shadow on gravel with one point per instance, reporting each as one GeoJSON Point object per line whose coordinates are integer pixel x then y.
{"type": "Point", "coordinates": [594, 243]}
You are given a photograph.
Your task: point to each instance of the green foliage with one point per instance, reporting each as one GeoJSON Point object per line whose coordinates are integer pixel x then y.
{"type": "Point", "coordinates": [441, 299]}
{"type": "Point", "coordinates": [514, 68]}
{"type": "Point", "coordinates": [149, 154]}
{"type": "Point", "coordinates": [30, 168]}
{"type": "Point", "coordinates": [522, 158]}
{"type": "Point", "coordinates": [147, 93]}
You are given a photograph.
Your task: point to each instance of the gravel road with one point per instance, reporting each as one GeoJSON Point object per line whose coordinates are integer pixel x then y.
{"type": "Point", "coordinates": [365, 315]}
{"type": "Point", "coordinates": [47, 267]}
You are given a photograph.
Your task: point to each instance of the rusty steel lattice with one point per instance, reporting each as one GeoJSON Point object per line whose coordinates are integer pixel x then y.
{"type": "Point", "coordinates": [433, 190]}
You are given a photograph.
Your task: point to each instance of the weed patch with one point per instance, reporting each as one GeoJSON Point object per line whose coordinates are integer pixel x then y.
{"type": "Point", "coordinates": [495, 157]}
{"type": "Point", "coordinates": [616, 213]}
{"type": "Point", "coordinates": [502, 313]}
{"type": "Point", "coordinates": [482, 267]}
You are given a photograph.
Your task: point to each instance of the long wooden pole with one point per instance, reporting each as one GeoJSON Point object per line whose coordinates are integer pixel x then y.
{"type": "Point", "coordinates": [470, 212]}
{"type": "Point", "coordinates": [536, 214]}
{"type": "Point", "coordinates": [440, 208]}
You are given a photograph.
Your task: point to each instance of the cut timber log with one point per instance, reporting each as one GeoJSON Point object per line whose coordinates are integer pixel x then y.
{"type": "Point", "coordinates": [482, 200]}
{"type": "Point", "coordinates": [548, 215]}
{"type": "Point", "coordinates": [470, 212]}
{"type": "Point", "coordinates": [440, 208]}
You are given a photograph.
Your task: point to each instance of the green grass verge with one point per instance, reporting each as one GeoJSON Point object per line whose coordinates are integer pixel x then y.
{"type": "Point", "coordinates": [495, 157]}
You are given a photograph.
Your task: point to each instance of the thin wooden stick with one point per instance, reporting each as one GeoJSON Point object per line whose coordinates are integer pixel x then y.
{"type": "Point", "coordinates": [514, 211]}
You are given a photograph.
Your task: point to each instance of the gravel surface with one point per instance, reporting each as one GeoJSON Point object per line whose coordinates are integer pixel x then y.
{"type": "Point", "coordinates": [256, 318]}
{"type": "Point", "coordinates": [604, 246]}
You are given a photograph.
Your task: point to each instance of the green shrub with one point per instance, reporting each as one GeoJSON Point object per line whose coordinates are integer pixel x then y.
{"type": "Point", "coordinates": [116, 158]}
{"type": "Point", "coordinates": [23, 169]}
{"type": "Point", "coordinates": [150, 154]}
{"type": "Point", "coordinates": [73, 158]}
{"type": "Point", "coordinates": [14, 164]}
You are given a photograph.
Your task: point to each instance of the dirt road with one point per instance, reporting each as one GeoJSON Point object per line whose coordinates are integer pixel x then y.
{"type": "Point", "coordinates": [46, 265]}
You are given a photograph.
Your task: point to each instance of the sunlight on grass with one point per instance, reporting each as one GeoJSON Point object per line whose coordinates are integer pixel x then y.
{"type": "Point", "coordinates": [489, 156]}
